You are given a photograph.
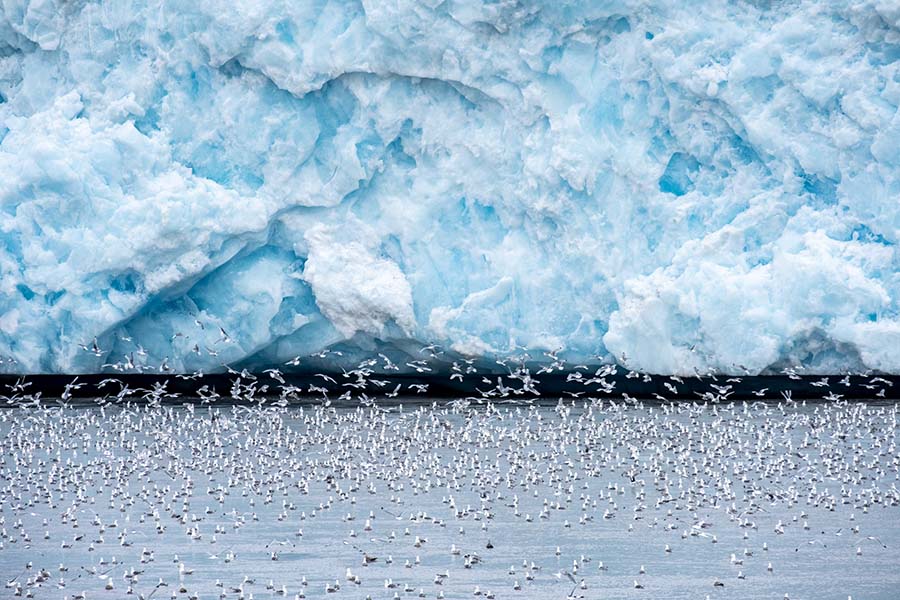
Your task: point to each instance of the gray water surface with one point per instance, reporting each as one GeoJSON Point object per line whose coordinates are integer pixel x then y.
{"type": "Point", "coordinates": [113, 495]}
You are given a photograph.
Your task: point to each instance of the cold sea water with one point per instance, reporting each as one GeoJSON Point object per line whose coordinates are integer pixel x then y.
{"type": "Point", "coordinates": [583, 499]}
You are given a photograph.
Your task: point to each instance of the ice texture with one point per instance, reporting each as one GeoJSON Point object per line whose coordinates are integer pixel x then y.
{"type": "Point", "coordinates": [669, 185]}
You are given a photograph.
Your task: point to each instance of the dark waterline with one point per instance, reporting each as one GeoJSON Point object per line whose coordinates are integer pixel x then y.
{"type": "Point", "coordinates": [554, 385]}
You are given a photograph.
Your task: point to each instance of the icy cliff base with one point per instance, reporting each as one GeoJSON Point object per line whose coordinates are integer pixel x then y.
{"type": "Point", "coordinates": [673, 186]}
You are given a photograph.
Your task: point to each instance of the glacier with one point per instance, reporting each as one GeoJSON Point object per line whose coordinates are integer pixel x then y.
{"type": "Point", "coordinates": [673, 186]}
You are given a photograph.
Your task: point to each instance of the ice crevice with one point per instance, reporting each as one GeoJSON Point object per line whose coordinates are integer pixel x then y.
{"type": "Point", "coordinates": [465, 90]}
{"type": "Point", "coordinates": [675, 188]}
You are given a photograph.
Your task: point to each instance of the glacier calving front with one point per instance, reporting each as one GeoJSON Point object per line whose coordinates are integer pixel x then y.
{"type": "Point", "coordinates": [671, 185]}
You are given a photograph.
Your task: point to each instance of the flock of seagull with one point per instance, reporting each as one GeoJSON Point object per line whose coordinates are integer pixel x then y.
{"type": "Point", "coordinates": [495, 495]}
{"type": "Point", "coordinates": [373, 378]}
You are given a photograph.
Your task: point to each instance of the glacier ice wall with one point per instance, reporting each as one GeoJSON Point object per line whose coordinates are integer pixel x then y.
{"type": "Point", "coordinates": [672, 185]}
